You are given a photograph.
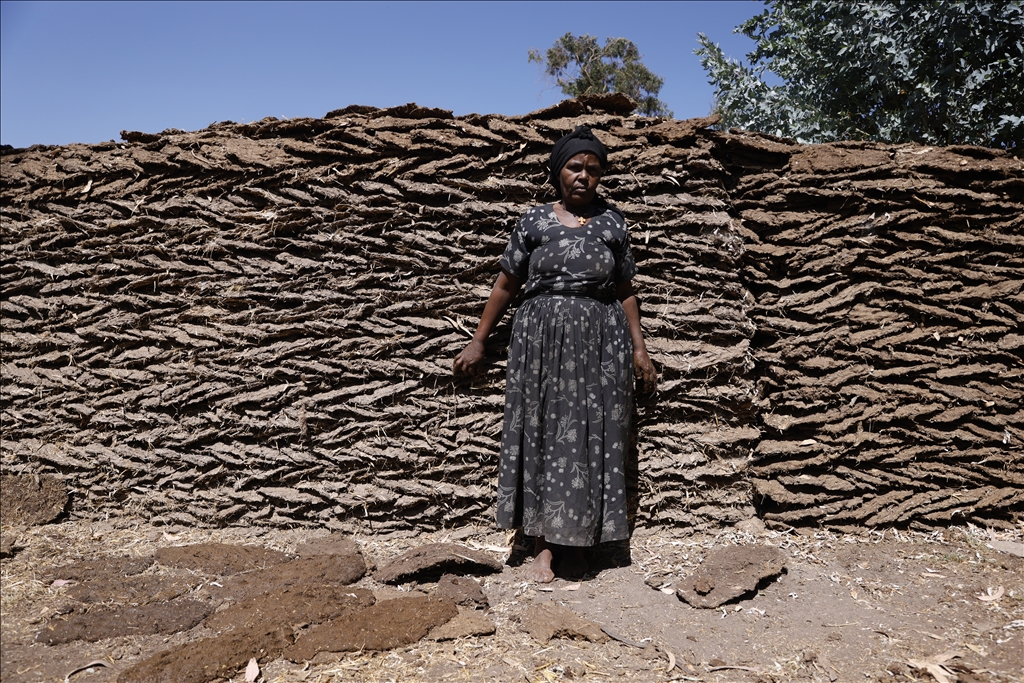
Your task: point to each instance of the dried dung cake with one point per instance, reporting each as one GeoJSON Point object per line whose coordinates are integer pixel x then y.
{"type": "Point", "coordinates": [219, 559]}
{"type": "Point", "coordinates": [462, 590]}
{"type": "Point", "coordinates": [103, 621]}
{"type": "Point", "coordinates": [545, 621]}
{"type": "Point", "coordinates": [312, 570]}
{"type": "Point", "coordinates": [208, 659]}
{"type": "Point", "coordinates": [731, 573]}
{"type": "Point", "coordinates": [101, 568]}
{"type": "Point", "coordinates": [133, 590]}
{"type": "Point", "coordinates": [430, 562]}
{"type": "Point", "coordinates": [466, 624]}
{"type": "Point", "coordinates": [303, 604]}
{"type": "Point", "coordinates": [385, 625]}
{"type": "Point", "coordinates": [28, 500]}
{"type": "Point", "coordinates": [334, 544]}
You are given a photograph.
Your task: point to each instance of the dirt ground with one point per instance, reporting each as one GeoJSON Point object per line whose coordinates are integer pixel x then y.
{"type": "Point", "coordinates": [883, 606]}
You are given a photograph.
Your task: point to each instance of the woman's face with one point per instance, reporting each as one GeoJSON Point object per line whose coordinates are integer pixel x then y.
{"type": "Point", "coordinates": [579, 179]}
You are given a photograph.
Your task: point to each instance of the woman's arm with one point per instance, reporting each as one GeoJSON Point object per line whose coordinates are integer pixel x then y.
{"type": "Point", "coordinates": [642, 365]}
{"type": "Point", "coordinates": [469, 359]}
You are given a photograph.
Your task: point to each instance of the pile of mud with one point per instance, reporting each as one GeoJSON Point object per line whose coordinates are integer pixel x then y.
{"type": "Point", "coordinates": [255, 322]}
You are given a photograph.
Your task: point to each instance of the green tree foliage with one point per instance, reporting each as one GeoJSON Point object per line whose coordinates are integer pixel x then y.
{"type": "Point", "coordinates": [582, 67]}
{"type": "Point", "coordinates": [929, 71]}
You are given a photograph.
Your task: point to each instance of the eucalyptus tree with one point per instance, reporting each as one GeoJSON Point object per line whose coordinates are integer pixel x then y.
{"type": "Point", "coordinates": [930, 71]}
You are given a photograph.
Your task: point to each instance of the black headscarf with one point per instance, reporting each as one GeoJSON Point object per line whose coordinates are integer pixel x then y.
{"type": "Point", "coordinates": [580, 140]}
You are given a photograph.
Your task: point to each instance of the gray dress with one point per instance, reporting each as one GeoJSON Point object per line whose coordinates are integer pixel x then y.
{"type": "Point", "coordinates": [569, 391]}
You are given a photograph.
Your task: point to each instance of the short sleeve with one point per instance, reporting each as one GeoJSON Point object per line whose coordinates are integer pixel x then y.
{"type": "Point", "coordinates": [625, 266]}
{"type": "Point", "coordinates": [516, 259]}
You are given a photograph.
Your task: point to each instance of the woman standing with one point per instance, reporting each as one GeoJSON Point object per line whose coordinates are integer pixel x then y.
{"type": "Point", "coordinates": [576, 346]}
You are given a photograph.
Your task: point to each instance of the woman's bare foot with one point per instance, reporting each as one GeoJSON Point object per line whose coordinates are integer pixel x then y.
{"type": "Point", "coordinates": [540, 569]}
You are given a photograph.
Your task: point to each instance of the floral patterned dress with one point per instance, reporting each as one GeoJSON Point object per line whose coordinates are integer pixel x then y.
{"type": "Point", "coordinates": [569, 391]}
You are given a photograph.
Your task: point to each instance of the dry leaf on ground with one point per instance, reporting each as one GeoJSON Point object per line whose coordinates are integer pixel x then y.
{"type": "Point", "coordinates": [252, 671]}
{"type": "Point", "coordinates": [991, 595]}
{"type": "Point", "coordinates": [936, 666]}
{"type": "Point", "coordinates": [98, 662]}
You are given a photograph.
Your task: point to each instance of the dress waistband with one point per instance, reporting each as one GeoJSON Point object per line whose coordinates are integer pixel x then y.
{"type": "Point", "coordinates": [602, 298]}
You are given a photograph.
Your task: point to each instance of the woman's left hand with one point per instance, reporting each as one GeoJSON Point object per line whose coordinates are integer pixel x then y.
{"type": "Point", "coordinates": [645, 372]}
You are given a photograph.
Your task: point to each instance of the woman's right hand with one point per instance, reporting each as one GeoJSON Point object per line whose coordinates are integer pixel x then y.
{"type": "Point", "coordinates": [469, 359]}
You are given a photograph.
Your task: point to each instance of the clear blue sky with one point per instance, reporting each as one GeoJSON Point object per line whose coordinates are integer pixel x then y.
{"type": "Point", "coordinates": [84, 71]}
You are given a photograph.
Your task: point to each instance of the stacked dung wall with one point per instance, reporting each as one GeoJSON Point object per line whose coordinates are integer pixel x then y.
{"type": "Point", "coordinates": [256, 322]}
{"type": "Point", "coordinates": [889, 283]}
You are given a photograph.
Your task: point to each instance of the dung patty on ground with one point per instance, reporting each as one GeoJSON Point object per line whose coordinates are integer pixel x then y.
{"type": "Point", "coordinates": [133, 590]}
{"type": "Point", "coordinates": [320, 570]}
{"type": "Point", "coordinates": [101, 568]}
{"type": "Point", "coordinates": [335, 544]}
{"type": "Point", "coordinates": [385, 625]}
{"type": "Point", "coordinates": [27, 500]}
{"type": "Point", "coordinates": [219, 559]}
{"type": "Point", "coordinates": [462, 590]}
{"type": "Point", "coordinates": [468, 623]}
{"type": "Point", "coordinates": [730, 573]}
{"type": "Point", "coordinates": [306, 604]}
{"type": "Point", "coordinates": [546, 621]}
{"type": "Point", "coordinates": [112, 621]}
{"type": "Point", "coordinates": [210, 658]}
{"type": "Point", "coordinates": [429, 562]}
